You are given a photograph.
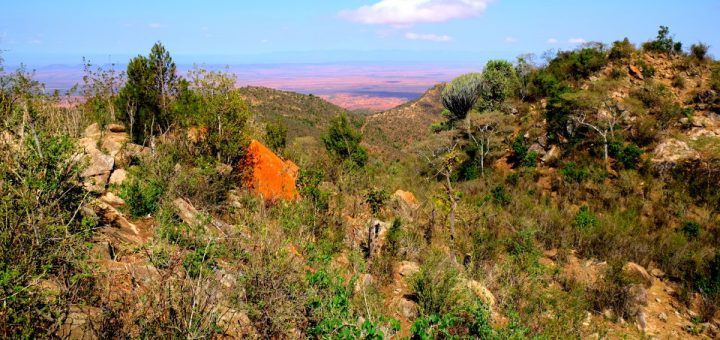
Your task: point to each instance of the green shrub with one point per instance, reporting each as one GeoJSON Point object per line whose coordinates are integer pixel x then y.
{"type": "Point", "coordinates": [309, 180]}
{"type": "Point", "coordinates": [499, 82]}
{"type": "Point", "coordinates": [376, 199]}
{"type": "Point", "coordinates": [43, 236]}
{"type": "Point", "coordinates": [584, 219]}
{"type": "Point", "coordinates": [276, 135]}
{"type": "Point", "coordinates": [500, 196]}
{"type": "Point", "coordinates": [664, 43]}
{"type": "Point", "coordinates": [522, 154]}
{"type": "Point", "coordinates": [629, 156]}
{"type": "Point", "coordinates": [621, 50]}
{"type": "Point", "coordinates": [699, 51]}
{"type": "Point", "coordinates": [691, 229]}
{"type": "Point", "coordinates": [343, 142]}
{"type": "Point", "coordinates": [200, 261]}
{"type": "Point", "coordinates": [573, 173]}
{"type": "Point", "coordinates": [678, 82]}
{"type": "Point", "coordinates": [647, 70]}
{"type": "Point", "coordinates": [142, 196]}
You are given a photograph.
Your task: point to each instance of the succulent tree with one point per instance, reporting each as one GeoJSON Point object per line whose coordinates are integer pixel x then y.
{"type": "Point", "coordinates": [460, 95]}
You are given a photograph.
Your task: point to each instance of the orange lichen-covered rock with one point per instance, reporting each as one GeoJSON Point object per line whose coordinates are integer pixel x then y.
{"type": "Point", "coordinates": [271, 177]}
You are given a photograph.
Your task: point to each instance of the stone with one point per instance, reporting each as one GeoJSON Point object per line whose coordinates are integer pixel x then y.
{"type": "Point", "coordinates": [673, 151]}
{"type": "Point", "coordinates": [97, 174]}
{"type": "Point", "coordinates": [407, 308]}
{"type": "Point", "coordinates": [235, 324]}
{"type": "Point", "coordinates": [552, 155]}
{"type": "Point", "coordinates": [407, 268]}
{"type": "Point", "coordinates": [187, 212]}
{"type": "Point", "coordinates": [101, 251]}
{"type": "Point", "coordinates": [635, 72]}
{"type": "Point", "coordinates": [113, 143]}
{"type": "Point", "coordinates": [114, 127]}
{"type": "Point", "coordinates": [638, 273]}
{"type": "Point", "coordinates": [481, 292]}
{"type": "Point", "coordinates": [79, 323]}
{"type": "Point", "coordinates": [657, 272]}
{"type": "Point", "coordinates": [112, 199]}
{"type": "Point", "coordinates": [93, 131]}
{"type": "Point", "coordinates": [118, 177]}
{"type": "Point", "coordinates": [272, 178]}
{"type": "Point", "coordinates": [663, 317]}
{"type": "Point", "coordinates": [364, 281]}
{"type": "Point", "coordinates": [372, 237]}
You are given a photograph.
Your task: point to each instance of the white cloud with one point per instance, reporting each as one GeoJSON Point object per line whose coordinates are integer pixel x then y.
{"type": "Point", "coordinates": [552, 41]}
{"type": "Point", "coordinates": [511, 40]}
{"type": "Point", "coordinates": [427, 37]}
{"type": "Point", "coordinates": [154, 25]}
{"type": "Point", "coordinates": [577, 40]}
{"type": "Point", "coordinates": [35, 41]}
{"type": "Point", "coordinates": [404, 13]}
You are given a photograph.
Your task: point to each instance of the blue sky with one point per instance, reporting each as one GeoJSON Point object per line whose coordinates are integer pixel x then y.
{"type": "Point", "coordinates": [242, 31]}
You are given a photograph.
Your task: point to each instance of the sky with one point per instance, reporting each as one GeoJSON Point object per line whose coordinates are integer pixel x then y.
{"type": "Point", "coordinates": [332, 31]}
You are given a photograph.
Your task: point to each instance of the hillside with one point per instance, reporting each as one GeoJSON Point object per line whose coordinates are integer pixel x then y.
{"type": "Point", "coordinates": [573, 199]}
{"type": "Point", "coordinates": [392, 134]}
{"type": "Point", "coordinates": [304, 115]}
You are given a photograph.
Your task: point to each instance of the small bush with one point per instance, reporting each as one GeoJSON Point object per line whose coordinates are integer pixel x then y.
{"type": "Point", "coordinates": [621, 50]}
{"type": "Point", "coordinates": [343, 142]}
{"type": "Point", "coordinates": [629, 156]}
{"type": "Point", "coordinates": [434, 286]}
{"type": "Point", "coordinates": [142, 197]}
{"type": "Point", "coordinates": [584, 219]}
{"type": "Point", "coordinates": [573, 173]}
{"type": "Point", "coordinates": [691, 229]}
{"type": "Point", "coordinates": [376, 199]}
{"type": "Point", "coordinates": [647, 70]}
{"type": "Point", "coordinates": [276, 135]}
{"type": "Point", "coordinates": [500, 196]}
{"type": "Point", "coordinates": [699, 51]}
{"type": "Point", "coordinates": [678, 82]}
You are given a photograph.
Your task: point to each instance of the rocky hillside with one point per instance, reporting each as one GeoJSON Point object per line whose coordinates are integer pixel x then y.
{"type": "Point", "coordinates": [304, 115]}
{"type": "Point", "coordinates": [393, 134]}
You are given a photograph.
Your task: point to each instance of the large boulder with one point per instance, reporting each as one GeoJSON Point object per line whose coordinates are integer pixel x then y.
{"type": "Point", "coordinates": [272, 178]}
{"type": "Point", "coordinates": [672, 151]}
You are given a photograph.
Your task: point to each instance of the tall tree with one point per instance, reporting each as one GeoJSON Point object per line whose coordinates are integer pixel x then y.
{"type": "Point", "coordinates": [151, 84]}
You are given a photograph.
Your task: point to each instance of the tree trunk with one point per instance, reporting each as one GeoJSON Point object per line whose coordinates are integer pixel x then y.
{"type": "Point", "coordinates": [453, 207]}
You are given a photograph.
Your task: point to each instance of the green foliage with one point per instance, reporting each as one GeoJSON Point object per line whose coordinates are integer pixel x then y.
{"type": "Point", "coordinates": [331, 313]}
{"type": "Point", "coordinates": [144, 101]}
{"type": "Point", "coordinates": [664, 42]}
{"type": "Point", "coordinates": [460, 95]}
{"type": "Point", "coordinates": [499, 82]}
{"type": "Point", "coordinates": [142, 197]}
{"type": "Point", "coordinates": [393, 237]}
{"type": "Point", "coordinates": [715, 77]}
{"type": "Point", "coordinates": [699, 51]}
{"type": "Point", "coordinates": [621, 50]}
{"type": "Point", "coordinates": [573, 173]}
{"type": "Point", "coordinates": [308, 182]}
{"type": "Point", "coordinates": [210, 102]}
{"type": "Point", "coordinates": [500, 196]}
{"type": "Point", "coordinates": [434, 287]}
{"type": "Point", "coordinates": [276, 135]}
{"type": "Point", "coordinates": [691, 229]}
{"type": "Point", "coordinates": [578, 64]}
{"type": "Point", "coordinates": [678, 82]}
{"type": "Point", "coordinates": [42, 236]}
{"type": "Point", "coordinates": [647, 70]}
{"type": "Point", "coordinates": [343, 142]}
{"type": "Point", "coordinates": [629, 156]}
{"type": "Point", "coordinates": [201, 261]}
{"type": "Point", "coordinates": [584, 219]}
{"type": "Point", "coordinates": [522, 154]}
{"type": "Point", "coordinates": [376, 199]}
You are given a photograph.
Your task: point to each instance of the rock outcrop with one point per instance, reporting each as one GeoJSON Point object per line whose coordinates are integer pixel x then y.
{"type": "Point", "coordinates": [272, 178]}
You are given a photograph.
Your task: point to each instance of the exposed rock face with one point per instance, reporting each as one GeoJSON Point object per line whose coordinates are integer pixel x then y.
{"type": "Point", "coordinates": [481, 292]}
{"type": "Point", "coordinates": [118, 177]}
{"type": "Point", "coordinates": [404, 204]}
{"type": "Point", "coordinates": [635, 72]}
{"type": "Point", "coordinates": [673, 151]}
{"type": "Point", "coordinates": [101, 153]}
{"type": "Point", "coordinates": [638, 273]}
{"type": "Point", "coordinates": [272, 178]}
